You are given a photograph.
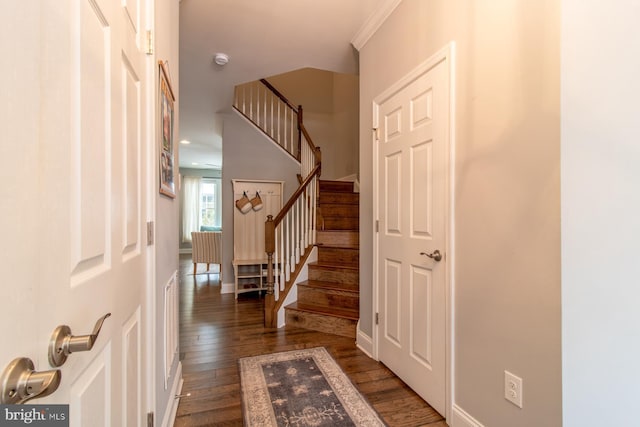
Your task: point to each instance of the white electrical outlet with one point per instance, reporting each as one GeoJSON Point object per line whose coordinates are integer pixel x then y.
{"type": "Point", "coordinates": [513, 388]}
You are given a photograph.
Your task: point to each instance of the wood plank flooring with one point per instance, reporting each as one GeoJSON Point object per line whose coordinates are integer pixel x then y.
{"type": "Point", "coordinates": [215, 331]}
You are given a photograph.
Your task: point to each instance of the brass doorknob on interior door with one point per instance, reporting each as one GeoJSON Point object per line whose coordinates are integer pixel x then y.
{"type": "Point", "coordinates": [62, 343]}
{"type": "Point", "coordinates": [19, 382]}
{"type": "Point", "coordinates": [436, 255]}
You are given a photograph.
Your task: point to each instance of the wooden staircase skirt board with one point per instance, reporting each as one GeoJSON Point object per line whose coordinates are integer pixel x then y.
{"type": "Point", "coordinates": [336, 186]}
{"type": "Point", "coordinates": [338, 237]}
{"type": "Point", "coordinates": [338, 255]}
{"type": "Point", "coordinates": [339, 198]}
{"type": "Point", "coordinates": [332, 273]}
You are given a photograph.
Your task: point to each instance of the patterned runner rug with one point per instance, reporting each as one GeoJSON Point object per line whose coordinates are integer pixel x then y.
{"type": "Point", "coordinates": [301, 388]}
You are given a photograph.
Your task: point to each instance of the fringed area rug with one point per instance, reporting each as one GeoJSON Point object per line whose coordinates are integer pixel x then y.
{"type": "Point", "coordinates": [301, 388]}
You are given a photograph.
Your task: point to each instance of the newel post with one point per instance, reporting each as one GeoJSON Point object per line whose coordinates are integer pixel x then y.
{"type": "Point", "coordinates": [270, 248]}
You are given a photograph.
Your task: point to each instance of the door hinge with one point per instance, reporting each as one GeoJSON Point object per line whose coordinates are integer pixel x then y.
{"type": "Point", "coordinates": [377, 318]}
{"type": "Point", "coordinates": [376, 133]}
{"type": "Point", "coordinates": [150, 419]}
{"type": "Point", "coordinates": [377, 226]}
{"type": "Point", "coordinates": [149, 42]}
{"type": "Point", "coordinates": [150, 233]}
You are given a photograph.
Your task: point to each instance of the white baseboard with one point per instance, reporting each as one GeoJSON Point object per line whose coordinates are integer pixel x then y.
{"type": "Point", "coordinates": [227, 288]}
{"type": "Point", "coordinates": [352, 178]}
{"type": "Point", "coordinates": [364, 341]}
{"type": "Point", "coordinates": [460, 418]}
{"type": "Point", "coordinates": [172, 405]}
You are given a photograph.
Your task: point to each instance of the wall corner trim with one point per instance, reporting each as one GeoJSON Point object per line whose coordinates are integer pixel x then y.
{"type": "Point", "coordinates": [460, 418]}
{"type": "Point", "coordinates": [364, 342]}
{"type": "Point", "coordinates": [172, 407]}
{"type": "Point", "coordinates": [373, 23]}
{"type": "Point", "coordinates": [228, 288]}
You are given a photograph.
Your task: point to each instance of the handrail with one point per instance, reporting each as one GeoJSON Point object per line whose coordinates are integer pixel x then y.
{"type": "Point", "coordinates": [278, 94]}
{"type": "Point", "coordinates": [301, 189]}
{"type": "Point", "coordinates": [291, 235]}
{"type": "Point", "coordinates": [288, 243]}
{"type": "Point", "coordinates": [272, 113]}
{"type": "Point", "coordinates": [316, 150]}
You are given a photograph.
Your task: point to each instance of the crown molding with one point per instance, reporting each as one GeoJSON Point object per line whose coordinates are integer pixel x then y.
{"type": "Point", "coordinates": [373, 23]}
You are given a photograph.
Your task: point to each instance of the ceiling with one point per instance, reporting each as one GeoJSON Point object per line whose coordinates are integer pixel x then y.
{"type": "Point", "coordinates": [262, 38]}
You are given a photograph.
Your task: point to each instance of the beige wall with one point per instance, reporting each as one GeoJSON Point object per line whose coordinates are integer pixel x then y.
{"type": "Point", "coordinates": [507, 192]}
{"type": "Point", "coordinates": [330, 105]}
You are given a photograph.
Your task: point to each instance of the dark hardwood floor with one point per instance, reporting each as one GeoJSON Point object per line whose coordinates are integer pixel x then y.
{"type": "Point", "coordinates": [215, 331]}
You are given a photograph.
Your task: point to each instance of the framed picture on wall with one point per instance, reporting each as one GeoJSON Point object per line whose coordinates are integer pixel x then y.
{"type": "Point", "coordinates": [166, 99]}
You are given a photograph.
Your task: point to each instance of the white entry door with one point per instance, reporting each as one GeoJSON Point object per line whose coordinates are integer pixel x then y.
{"type": "Point", "coordinates": [412, 163]}
{"type": "Point", "coordinates": [74, 193]}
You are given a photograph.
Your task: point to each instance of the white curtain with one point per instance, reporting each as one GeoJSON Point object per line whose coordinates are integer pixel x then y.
{"type": "Point", "coordinates": [191, 206]}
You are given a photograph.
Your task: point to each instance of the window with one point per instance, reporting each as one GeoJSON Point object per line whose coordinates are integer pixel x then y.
{"type": "Point", "coordinates": [209, 195]}
{"type": "Point", "coordinates": [202, 205]}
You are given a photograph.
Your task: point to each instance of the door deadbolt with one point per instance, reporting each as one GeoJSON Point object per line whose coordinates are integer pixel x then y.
{"type": "Point", "coordinates": [62, 343]}
{"type": "Point", "coordinates": [19, 382]}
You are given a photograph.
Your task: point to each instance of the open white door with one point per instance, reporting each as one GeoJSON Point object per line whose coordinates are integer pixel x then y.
{"type": "Point", "coordinates": [75, 198]}
{"type": "Point", "coordinates": [412, 155]}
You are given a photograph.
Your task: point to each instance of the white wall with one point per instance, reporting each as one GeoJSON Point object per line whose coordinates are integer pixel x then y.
{"type": "Point", "coordinates": [507, 195]}
{"type": "Point", "coordinates": [600, 213]}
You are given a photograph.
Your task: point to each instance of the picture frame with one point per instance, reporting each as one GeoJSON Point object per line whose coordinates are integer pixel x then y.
{"type": "Point", "coordinates": [166, 108]}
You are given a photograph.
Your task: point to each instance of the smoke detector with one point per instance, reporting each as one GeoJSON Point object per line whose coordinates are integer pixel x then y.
{"type": "Point", "coordinates": [221, 58]}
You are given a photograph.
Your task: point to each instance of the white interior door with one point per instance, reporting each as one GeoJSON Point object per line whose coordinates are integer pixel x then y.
{"type": "Point", "coordinates": [77, 198]}
{"type": "Point", "coordinates": [412, 157]}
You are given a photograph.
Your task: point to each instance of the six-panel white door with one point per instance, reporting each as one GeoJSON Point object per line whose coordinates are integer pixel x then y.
{"type": "Point", "coordinates": [411, 188]}
{"type": "Point", "coordinates": [77, 201]}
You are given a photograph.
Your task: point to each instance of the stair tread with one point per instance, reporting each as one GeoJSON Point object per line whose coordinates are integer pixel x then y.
{"type": "Point", "coordinates": [332, 237]}
{"type": "Point", "coordinates": [344, 313]}
{"type": "Point", "coordinates": [338, 198]}
{"type": "Point", "coordinates": [334, 266]}
{"type": "Point", "coordinates": [323, 284]}
{"type": "Point", "coordinates": [346, 246]}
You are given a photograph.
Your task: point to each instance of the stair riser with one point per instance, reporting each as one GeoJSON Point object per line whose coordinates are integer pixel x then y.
{"type": "Point", "coordinates": [343, 238]}
{"type": "Point", "coordinates": [328, 298]}
{"type": "Point", "coordinates": [338, 256]}
{"type": "Point", "coordinates": [339, 186]}
{"type": "Point", "coordinates": [338, 223]}
{"type": "Point", "coordinates": [318, 322]}
{"type": "Point", "coordinates": [350, 211]}
{"type": "Point", "coordinates": [336, 275]}
{"type": "Point", "coordinates": [339, 198]}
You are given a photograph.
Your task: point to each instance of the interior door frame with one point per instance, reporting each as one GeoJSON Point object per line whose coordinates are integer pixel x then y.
{"type": "Point", "coordinates": [447, 55]}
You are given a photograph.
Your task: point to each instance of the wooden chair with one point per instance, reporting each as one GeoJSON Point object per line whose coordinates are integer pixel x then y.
{"type": "Point", "coordinates": [206, 249]}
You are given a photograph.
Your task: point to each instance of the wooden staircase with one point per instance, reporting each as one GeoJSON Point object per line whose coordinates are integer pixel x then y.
{"type": "Point", "coordinates": [329, 301]}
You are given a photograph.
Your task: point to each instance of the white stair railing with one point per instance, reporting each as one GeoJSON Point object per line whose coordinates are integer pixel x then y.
{"type": "Point", "coordinates": [289, 236]}
{"type": "Point", "coordinates": [270, 111]}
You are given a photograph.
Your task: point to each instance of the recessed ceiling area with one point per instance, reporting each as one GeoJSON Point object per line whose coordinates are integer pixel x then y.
{"type": "Point", "coordinates": [261, 39]}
